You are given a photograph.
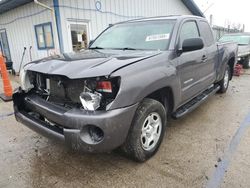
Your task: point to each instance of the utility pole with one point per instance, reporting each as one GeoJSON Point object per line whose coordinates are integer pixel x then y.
{"type": "Point", "coordinates": [243, 28]}
{"type": "Point", "coordinates": [211, 20]}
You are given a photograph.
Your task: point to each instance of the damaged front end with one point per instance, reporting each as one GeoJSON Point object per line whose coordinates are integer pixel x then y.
{"type": "Point", "coordinates": [91, 94]}
{"type": "Point", "coordinates": [75, 111]}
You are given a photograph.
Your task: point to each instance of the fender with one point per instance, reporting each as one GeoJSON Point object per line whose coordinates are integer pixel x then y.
{"type": "Point", "coordinates": [142, 79]}
{"type": "Point", "coordinates": [225, 54]}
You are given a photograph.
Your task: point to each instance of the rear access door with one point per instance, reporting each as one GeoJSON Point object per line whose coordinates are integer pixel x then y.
{"type": "Point", "coordinates": [207, 70]}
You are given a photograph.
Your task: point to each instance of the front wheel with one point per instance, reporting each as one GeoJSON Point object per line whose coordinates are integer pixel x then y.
{"type": "Point", "coordinates": [224, 83]}
{"type": "Point", "coordinates": [146, 132]}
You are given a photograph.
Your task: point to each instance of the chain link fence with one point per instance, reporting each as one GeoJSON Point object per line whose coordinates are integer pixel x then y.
{"type": "Point", "coordinates": [220, 31]}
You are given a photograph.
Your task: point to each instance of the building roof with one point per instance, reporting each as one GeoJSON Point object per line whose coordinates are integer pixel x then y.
{"type": "Point", "coordinates": [191, 5]}
{"type": "Point", "coordinates": [6, 5]}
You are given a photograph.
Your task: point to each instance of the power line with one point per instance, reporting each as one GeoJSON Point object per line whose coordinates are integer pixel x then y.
{"type": "Point", "coordinates": [212, 4]}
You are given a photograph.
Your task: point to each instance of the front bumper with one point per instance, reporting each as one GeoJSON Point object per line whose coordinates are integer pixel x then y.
{"type": "Point", "coordinates": [69, 125]}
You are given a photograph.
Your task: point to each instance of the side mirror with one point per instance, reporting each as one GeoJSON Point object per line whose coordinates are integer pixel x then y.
{"type": "Point", "coordinates": [91, 42]}
{"type": "Point", "coordinates": [192, 44]}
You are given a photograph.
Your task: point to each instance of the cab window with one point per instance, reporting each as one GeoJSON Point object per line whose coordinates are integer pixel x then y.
{"type": "Point", "coordinates": [206, 33]}
{"type": "Point", "coordinates": [189, 30]}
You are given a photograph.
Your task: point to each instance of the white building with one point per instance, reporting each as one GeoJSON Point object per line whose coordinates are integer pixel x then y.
{"type": "Point", "coordinates": [45, 27]}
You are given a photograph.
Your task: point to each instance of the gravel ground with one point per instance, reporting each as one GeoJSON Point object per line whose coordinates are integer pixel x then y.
{"type": "Point", "coordinates": [193, 149]}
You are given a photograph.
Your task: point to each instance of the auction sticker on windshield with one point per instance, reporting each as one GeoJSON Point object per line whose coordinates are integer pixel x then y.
{"type": "Point", "coordinates": [157, 37]}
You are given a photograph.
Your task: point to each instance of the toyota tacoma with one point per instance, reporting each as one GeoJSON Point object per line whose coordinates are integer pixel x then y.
{"type": "Point", "coordinates": [120, 92]}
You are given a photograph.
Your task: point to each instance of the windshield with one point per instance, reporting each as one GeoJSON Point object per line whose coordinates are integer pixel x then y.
{"type": "Point", "coordinates": [149, 35]}
{"type": "Point", "coordinates": [240, 39]}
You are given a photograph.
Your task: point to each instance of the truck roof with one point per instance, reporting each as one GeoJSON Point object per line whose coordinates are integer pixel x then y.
{"type": "Point", "coordinates": [174, 17]}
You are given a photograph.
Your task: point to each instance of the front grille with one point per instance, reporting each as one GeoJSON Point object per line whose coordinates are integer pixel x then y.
{"type": "Point", "coordinates": [59, 89]}
{"type": "Point", "coordinates": [66, 92]}
{"type": "Point", "coordinates": [66, 89]}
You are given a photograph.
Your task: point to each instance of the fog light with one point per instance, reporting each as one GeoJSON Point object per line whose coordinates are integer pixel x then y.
{"type": "Point", "coordinates": [90, 101]}
{"type": "Point", "coordinates": [92, 134]}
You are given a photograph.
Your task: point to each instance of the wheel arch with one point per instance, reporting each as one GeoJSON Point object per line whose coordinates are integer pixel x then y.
{"type": "Point", "coordinates": [231, 63]}
{"type": "Point", "coordinates": [165, 96]}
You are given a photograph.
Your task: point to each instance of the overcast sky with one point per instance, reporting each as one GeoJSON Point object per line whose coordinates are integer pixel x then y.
{"type": "Point", "coordinates": [227, 11]}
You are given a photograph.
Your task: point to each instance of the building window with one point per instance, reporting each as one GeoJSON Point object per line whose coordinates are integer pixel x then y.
{"type": "Point", "coordinates": [44, 36]}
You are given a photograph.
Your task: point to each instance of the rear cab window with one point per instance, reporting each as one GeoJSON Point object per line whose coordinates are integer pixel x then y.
{"type": "Point", "coordinates": [206, 33]}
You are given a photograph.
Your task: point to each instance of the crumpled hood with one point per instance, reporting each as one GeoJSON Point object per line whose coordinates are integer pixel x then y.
{"type": "Point", "coordinates": [243, 50]}
{"type": "Point", "coordinates": [89, 63]}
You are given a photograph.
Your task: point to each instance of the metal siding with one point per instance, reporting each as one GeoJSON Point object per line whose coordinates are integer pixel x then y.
{"type": "Point", "coordinates": [127, 9]}
{"type": "Point", "coordinates": [21, 33]}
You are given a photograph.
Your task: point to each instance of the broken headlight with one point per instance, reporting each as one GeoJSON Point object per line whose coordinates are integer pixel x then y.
{"type": "Point", "coordinates": [90, 101]}
{"type": "Point", "coordinates": [99, 93]}
{"type": "Point", "coordinates": [26, 85]}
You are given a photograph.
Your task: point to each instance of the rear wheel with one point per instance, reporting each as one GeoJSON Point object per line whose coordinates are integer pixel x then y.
{"type": "Point", "coordinates": [13, 72]}
{"type": "Point", "coordinates": [246, 63]}
{"type": "Point", "coordinates": [146, 132]}
{"type": "Point", "coordinates": [224, 83]}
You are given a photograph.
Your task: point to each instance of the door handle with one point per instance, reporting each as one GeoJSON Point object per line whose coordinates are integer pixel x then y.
{"type": "Point", "coordinates": [204, 58]}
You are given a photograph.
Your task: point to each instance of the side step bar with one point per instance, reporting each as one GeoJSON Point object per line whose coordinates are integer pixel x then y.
{"type": "Point", "coordinates": [194, 103]}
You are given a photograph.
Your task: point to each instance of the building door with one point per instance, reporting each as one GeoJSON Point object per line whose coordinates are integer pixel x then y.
{"type": "Point", "coordinates": [1, 48]}
{"type": "Point", "coordinates": [79, 35]}
{"type": "Point", "coordinates": [4, 45]}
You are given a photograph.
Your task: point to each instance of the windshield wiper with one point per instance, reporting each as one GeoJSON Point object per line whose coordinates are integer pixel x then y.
{"type": "Point", "coordinates": [99, 48]}
{"type": "Point", "coordinates": [126, 48]}
{"type": "Point", "coordinates": [96, 48]}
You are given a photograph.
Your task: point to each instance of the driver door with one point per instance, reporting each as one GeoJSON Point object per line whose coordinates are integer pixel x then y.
{"type": "Point", "coordinates": [190, 63]}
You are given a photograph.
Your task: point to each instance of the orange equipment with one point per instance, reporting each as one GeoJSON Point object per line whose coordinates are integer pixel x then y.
{"type": "Point", "coordinates": [7, 95]}
{"type": "Point", "coordinates": [238, 70]}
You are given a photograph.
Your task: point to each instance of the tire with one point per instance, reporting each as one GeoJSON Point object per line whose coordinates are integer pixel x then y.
{"type": "Point", "coordinates": [13, 72]}
{"type": "Point", "coordinates": [224, 83]}
{"type": "Point", "coordinates": [146, 132]}
{"type": "Point", "coordinates": [246, 63]}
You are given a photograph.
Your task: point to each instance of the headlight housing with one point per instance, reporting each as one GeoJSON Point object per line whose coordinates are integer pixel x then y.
{"type": "Point", "coordinates": [99, 92]}
{"type": "Point", "coordinates": [25, 81]}
{"type": "Point", "coordinates": [90, 101]}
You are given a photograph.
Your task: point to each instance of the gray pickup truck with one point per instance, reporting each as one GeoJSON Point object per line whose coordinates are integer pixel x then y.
{"type": "Point", "coordinates": [120, 92]}
{"type": "Point", "coordinates": [243, 41]}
